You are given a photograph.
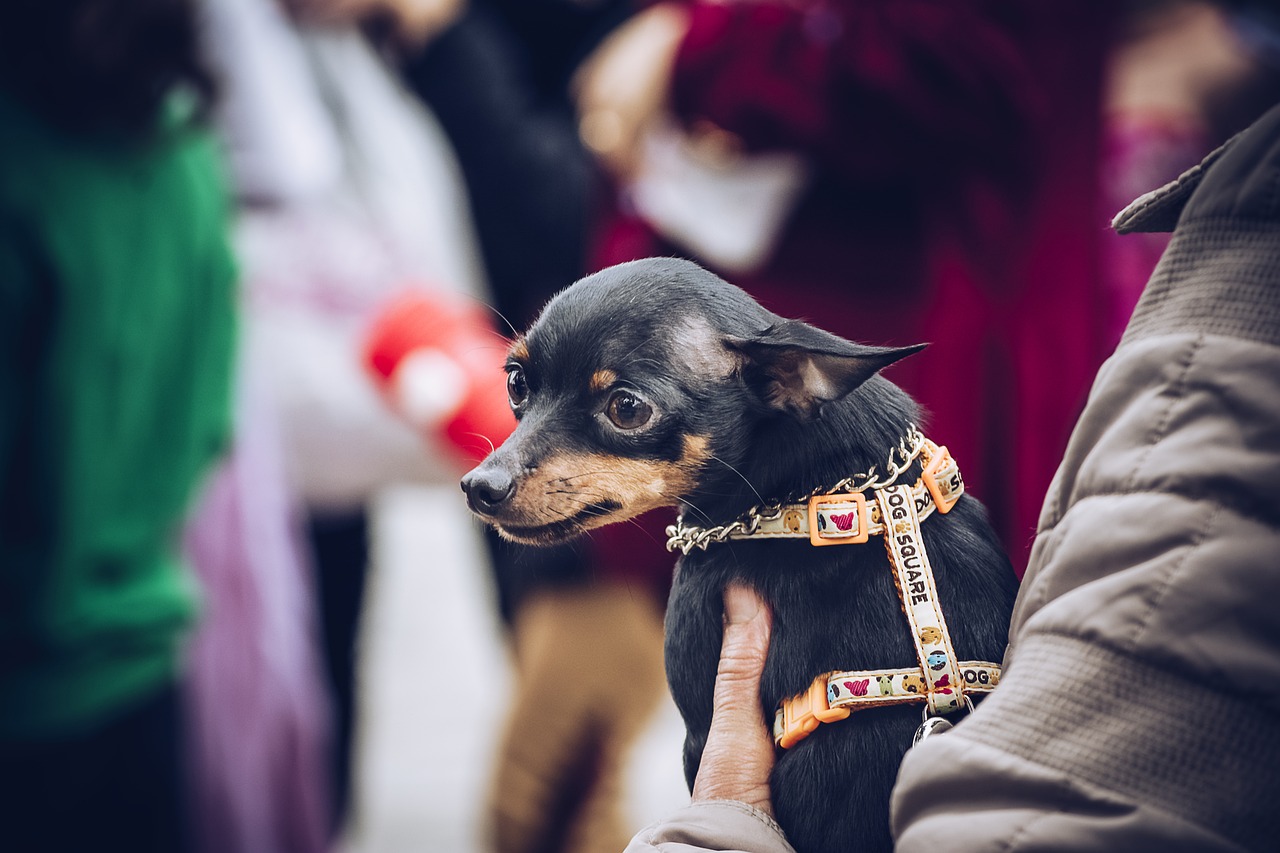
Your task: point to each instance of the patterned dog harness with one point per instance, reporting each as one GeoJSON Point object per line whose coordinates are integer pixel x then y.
{"type": "Point", "coordinates": [895, 512]}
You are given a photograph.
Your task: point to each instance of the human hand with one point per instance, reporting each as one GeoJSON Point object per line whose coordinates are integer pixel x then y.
{"type": "Point", "coordinates": [625, 84]}
{"type": "Point", "coordinates": [739, 753]}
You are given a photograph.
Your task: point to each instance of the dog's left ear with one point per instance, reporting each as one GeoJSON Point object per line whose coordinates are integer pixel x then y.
{"type": "Point", "coordinates": [796, 368]}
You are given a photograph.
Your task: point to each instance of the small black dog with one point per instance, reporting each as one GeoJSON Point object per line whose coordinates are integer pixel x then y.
{"type": "Point", "coordinates": [655, 383]}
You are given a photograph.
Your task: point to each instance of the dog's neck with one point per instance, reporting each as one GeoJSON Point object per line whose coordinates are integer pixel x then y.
{"type": "Point", "coordinates": [789, 458]}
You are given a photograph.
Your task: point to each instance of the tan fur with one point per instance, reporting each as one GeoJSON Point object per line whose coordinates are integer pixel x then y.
{"type": "Point", "coordinates": [602, 380]}
{"type": "Point", "coordinates": [520, 350]}
{"type": "Point", "coordinates": [563, 485]}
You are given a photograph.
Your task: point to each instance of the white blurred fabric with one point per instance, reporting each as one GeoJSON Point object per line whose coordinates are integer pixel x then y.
{"type": "Point", "coordinates": [729, 211]}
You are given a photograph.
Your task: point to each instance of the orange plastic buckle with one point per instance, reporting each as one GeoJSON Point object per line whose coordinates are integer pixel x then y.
{"type": "Point", "coordinates": [939, 460]}
{"type": "Point", "coordinates": [804, 713]}
{"type": "Point", "coordinates": [861, 533]}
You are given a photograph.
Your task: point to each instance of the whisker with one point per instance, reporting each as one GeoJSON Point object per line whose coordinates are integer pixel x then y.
{"type": "Point", "coordinates": [648, 533]}
{"type": "Point", "coordinates": [675, 500]}
{"type": "Point", "coordinates": [487, 440]}
{"type": "Point", "coordinates": [566, 480]}
{"type": "Point", "coordinates": [633, 349]}
{"type": "Point", "coordinates": [581, 497]}
{"type": "Point", "coordinates": [500, 315]}
{"type": "Point", "coordinates": [705, 517]}
{"type": "Point", "coordinates": [740, 474]}
{"type": "Point", "coordinates": [585, 501]}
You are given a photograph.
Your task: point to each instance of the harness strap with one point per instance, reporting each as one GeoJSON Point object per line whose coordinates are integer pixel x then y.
{"type": "Point", "coordinates": [849, 518]}
{"type": "Point", "coordinates": [895, 512]}
{"type": "Point", "coordinates": [913, 575]}
{"type": "Point", "coordinates": [836, 695]}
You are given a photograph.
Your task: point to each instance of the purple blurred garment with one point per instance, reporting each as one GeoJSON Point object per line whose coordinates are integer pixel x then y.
{"type": "Point", "coordinates": [257, 719]}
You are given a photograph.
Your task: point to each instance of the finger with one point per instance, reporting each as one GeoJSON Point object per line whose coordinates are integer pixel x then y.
{"type": "Point", "coordinates": [739, 752]}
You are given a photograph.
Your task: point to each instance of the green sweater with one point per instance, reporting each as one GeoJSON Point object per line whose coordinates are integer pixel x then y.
{"type": "Point", "coordinates": [116, 337]}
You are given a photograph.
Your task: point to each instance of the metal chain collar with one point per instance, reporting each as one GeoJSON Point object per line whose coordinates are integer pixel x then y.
{"type": "Point", "coordinates": [687, 537]}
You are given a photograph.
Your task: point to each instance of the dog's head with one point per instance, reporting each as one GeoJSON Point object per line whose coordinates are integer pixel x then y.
{"type": "Point", "coordinates": [638, 384]}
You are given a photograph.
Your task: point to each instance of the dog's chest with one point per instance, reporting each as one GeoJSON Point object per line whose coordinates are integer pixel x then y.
{"type": "Point", "coordinates": [831, 611]}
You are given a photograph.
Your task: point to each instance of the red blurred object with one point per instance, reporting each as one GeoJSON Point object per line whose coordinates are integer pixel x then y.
{"type": "Point", "coordinates": [438, 360]}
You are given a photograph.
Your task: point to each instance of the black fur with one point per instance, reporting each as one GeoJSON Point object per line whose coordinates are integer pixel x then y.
{"type": "Point", "coordinates": [774, 433]}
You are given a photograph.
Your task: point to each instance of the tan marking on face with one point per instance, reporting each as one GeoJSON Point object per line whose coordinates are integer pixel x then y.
{"type": "Point", "coordinates": [520, 350]}
{"type": "Point", "coordinates": [565, 485]}
{"type": "Point", "coordinates": [602, 380]}
{"type": "Point", "coordinates": [697, 450]}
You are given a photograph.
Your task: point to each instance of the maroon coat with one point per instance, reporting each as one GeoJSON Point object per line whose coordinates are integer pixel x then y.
{"type": "Point", "coordinates": [955, 202]}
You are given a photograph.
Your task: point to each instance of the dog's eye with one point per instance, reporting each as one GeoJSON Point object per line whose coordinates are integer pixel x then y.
{"type": "Point", "coordinates": [517, 387]}
{"type": "Point", "coordinates": [627, 411]}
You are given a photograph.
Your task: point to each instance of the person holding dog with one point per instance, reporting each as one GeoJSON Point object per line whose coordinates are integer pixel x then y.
{"type": "Point", "coordinates": [1139, 708]}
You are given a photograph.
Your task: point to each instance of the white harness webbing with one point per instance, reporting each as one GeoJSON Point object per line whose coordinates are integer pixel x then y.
{"type": "Point", "coordinates": [913, 576]}
{"type": "Point", "coordinates": [941, 680]}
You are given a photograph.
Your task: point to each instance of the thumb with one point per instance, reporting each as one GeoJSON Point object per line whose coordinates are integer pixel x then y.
{"type": "Point", "coordinates": [739, 752]}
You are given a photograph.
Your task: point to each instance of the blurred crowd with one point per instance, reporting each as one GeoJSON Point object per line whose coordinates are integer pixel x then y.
{"type": "Point", "coordinates": [260, 260]}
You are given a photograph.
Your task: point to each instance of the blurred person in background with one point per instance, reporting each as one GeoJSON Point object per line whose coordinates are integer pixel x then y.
{"type": "Point", "coordinates": [116, 335]}
{"type": "Point", "coordinates": [497, 78]}
{"type": "Point", "coordinates": [906, 171]}
{"type": "Point", "coordinates": [346, 199]}
{"type": "Point", "coordinates": [257, 710]}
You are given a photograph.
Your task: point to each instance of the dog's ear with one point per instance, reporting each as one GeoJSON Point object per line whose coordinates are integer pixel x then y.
{"type": "Point", "coordinates": [796, 368]}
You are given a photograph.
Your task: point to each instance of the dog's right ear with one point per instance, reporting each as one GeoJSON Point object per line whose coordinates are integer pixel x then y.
{"type": "Point", "coordinates": [795, 368]}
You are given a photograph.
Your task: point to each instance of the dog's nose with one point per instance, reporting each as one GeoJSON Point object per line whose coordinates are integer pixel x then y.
{"type": "Point", "coordinates": [488, 489]}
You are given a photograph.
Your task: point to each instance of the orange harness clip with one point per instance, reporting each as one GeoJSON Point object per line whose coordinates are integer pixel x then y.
{"type": "Point", "coordinates": [941, 476]}
{"type": "Point", "coordinates": [804, 713]}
